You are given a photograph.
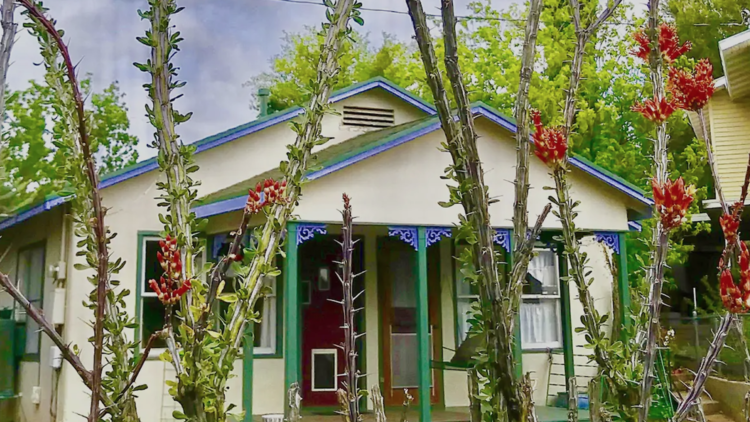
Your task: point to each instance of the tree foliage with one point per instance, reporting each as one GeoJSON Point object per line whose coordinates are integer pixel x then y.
{"type": "Point", "coordinates": [34, 162]}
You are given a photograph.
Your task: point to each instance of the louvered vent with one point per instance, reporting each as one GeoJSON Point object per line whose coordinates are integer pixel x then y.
{"type": "Point", "coordinates": [368, 117]}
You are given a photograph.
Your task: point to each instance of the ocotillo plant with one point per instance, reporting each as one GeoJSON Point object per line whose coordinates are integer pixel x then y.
{"type": "Point", "coordinates": [203, 358]}
{"type": "Point", "coordinates": [115, 387]}
{"type": "Point", "coordinates": [497, 310]}
{"type": "Point", "coordinates": [346, 276]}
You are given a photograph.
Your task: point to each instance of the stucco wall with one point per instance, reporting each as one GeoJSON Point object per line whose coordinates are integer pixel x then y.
{"type": "Point", "coordinates": [47, 228]}
{"type": "Point", "coordinates": [407, 178]}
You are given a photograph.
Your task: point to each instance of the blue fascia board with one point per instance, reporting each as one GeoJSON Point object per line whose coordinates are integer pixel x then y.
{"type": "Point", "coordinates": [238, 203]}
{"type": "Point", "coordinates": [34, 211]}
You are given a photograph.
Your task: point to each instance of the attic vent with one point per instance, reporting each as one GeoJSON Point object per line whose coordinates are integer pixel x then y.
{"type": "Point", "coordinates": [368, 117]}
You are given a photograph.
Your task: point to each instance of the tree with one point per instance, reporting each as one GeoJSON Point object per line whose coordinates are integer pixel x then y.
{"type": "Point", "coordinates": [706, 22]}
{"type": "Point", "coordinates": [34, 161]}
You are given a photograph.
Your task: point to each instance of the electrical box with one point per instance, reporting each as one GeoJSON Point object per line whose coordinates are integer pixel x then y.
{"type": "Point", "coordinates": [61, 271]}
{"type": "Point", "coordinates": [36, 394]}
{"type": "Point", "coordinates": [58, 307]}
{"type": "Point", "coordinates": [55, 357]}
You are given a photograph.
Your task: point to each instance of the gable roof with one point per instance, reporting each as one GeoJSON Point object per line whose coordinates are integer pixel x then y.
{"type": "Point", "coordinates": [338, 156]}
{"type": "Point", "coordinates": [145, 166]}
{"type": "Point", "coordinates": [360, 148]}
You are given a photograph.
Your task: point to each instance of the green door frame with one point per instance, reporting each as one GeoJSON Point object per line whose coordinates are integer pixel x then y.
{"type": "Point", "coordinates": [622, 280]}
{"type": "Point", "coordinates": [292, 344]}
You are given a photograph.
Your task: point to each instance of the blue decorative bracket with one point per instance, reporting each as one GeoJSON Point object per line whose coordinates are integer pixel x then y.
{"type": "Point", "coordinates": [306, 231]}
{"type": "Point", "coordinates": [434, 234]}
{"type": "Point", "coordinates": [502, 238]}
{"type": "Point", "coordinates": [610, 239]}
{"type": "Point", "coordinates": [407, 234]}
{"type": "Point", "coordinates": [218, 242]}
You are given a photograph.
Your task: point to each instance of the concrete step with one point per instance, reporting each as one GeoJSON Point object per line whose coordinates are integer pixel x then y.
{"type": "Point", "coordinates": [710, 407]}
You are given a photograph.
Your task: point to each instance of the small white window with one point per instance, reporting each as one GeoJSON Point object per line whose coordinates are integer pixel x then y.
{"type": "Point", "coordinates": [324, 369]}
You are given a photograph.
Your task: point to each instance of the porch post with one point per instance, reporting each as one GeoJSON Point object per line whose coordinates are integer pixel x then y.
{"type": "Point", "coordinates": [423, 328]}
{"type": "Point", "coordinates": [622, 280]}
{"type": "Point", "coordinates": [567, 323]}
{"type": "Point", "coordinates": [247, 373]}
{"type": "Point", "coordinates": [291, 309]}
{"type": "Point", "coordinates": [517, 349]}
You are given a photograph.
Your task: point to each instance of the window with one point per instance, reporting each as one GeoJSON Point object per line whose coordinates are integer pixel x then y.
{"type": "Point", "coordinates": [264, 338]}
{"type": "Point", "coordinates": [540, 310]}
{"type": "Point", "coordinates": [152, 310]}
{"type": "Point", "coordinates": [324, 369]}
{"type": "Point", "coordinates": [31, 279]}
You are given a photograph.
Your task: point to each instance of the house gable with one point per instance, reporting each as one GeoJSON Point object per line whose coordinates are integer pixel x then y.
{"type": "Point", "coordinates": [409, 160]}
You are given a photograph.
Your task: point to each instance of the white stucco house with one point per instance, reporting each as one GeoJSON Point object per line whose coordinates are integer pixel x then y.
{"type": "Point", "coordinates": [385, 154]}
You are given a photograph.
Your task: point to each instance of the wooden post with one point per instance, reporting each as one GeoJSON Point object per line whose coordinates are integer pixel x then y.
{"type": "Point", "coordinates": [247, 373]}
{"type": "Point", "coordinates": [423, 327]}
{"type": "Point", "coordinates": [291, 308]}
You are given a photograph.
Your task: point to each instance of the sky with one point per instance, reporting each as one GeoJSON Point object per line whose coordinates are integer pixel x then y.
{"type": "Point", "coordinates": [226, 43]}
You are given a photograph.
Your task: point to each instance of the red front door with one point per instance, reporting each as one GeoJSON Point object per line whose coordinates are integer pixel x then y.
{"type": "Point", "coordinates": [322, 361]}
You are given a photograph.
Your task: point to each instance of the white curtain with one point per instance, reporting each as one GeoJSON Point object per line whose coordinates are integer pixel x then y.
{"type": "Point", "coordinates": [540, 310]}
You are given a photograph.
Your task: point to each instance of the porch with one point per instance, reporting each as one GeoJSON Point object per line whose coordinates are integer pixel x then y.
{"type": "Point", "coordinates": [423, 256]}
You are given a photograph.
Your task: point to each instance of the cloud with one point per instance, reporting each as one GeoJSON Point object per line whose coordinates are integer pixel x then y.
{"type": "Point", "coordinates": [226, 43]}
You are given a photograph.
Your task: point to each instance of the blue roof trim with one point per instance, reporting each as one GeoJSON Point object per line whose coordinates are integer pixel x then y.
{"type": "Point", "coordinates": [33, 211]}
{"type": "Point", "coordinates": [635, 226]}
{"type": "Point", "coordinates": [221, 207]}
{"type": "Point", "coordinates": [260, 124]}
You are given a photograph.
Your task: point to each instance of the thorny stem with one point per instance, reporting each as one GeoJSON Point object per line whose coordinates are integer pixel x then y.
{"type": "Point", "coordinates": [704, 370]}
{"type": "Point", "coordinates": [739, 326]}
{"type": "Point", "coordinates": [139, 365]}
{"type": "Point", "coordinates": [100, 231]}
{"type": "Point", "coordinates": [308, 135]}
{"type": "Point", "coordinates": [169, 146]}
{"type": "Point", "coordinates": [660, 238]}
{"type": "Point", "coordinates": [6, 45]}
{"type": "Point", "coordinates": [475, 201]}
{"type": "Point", "coordinates": [349, 346]}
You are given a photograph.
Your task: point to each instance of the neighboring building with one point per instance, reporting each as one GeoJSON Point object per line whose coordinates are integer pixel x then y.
{"type": "Point", "coordinates": [385, 155]}
{"type": "Point", "coordinates": [727, 118]}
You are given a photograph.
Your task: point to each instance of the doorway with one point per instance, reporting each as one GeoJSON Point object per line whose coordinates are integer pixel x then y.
{"type": "Point", "coordinates": [322, 360]}
{"type": "Point", "coordinates": [397, 279]}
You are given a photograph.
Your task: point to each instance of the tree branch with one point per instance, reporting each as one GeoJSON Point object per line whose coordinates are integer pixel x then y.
{"type": "Point", "coordinates": [6, 45]}
{"type": "Point", "coordinates": [139, 364]}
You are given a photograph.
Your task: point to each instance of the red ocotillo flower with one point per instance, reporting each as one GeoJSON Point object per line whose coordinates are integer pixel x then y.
{"type": "Point", "coordinates": [656, 111]}
{"type": "Point", "coordinates": [669, 44]}
{"type": "Point", "coordinates": [266, 192]}
{"type": "Point", "coordinates": [729, 225]}
{"type": "Point", "coordinates": [550, 144]}
{"type": "Point", "coordinates": [169, 289]}
{"type": "Point", "coordinates": [691, 91]}
{"type": "Point", "coordinates": [736, 298]}
{"type": "Point", "coordinates": [672, 201]}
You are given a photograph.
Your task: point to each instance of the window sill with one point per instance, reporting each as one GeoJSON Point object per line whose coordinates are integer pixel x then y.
{"type": "Point", "coordinates": [155, 353]}
{"type": "Point", "coordinates": [535, 350]}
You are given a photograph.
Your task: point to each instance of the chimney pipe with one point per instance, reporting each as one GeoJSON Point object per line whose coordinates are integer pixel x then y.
{"type": "Point", "coordinates": [263, 94]}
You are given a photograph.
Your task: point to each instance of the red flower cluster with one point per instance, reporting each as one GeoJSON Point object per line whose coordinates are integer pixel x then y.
{"type": "Point", "coordinates": [657, 112]}
{"type": "Point", "coordinates": [672, 200]}
{"type": "Point", "coordinates": [267, 192]}
{"type": "Point", "coordinates": [730, 225]}
{"type": "Point", "coordinates": [669, 44]}
{"type": "Point", "coordinates": [168, 289]}
{"type": "Point", "coordinates": [691, 91]}
{"type": "Point", "coordinates": [736, 298]}
{"type": "Point", "coordinates": [550, 144]}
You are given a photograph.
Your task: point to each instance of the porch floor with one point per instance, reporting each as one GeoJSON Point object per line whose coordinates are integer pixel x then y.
{"type": "Point", "coordinates": [450, 414]}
